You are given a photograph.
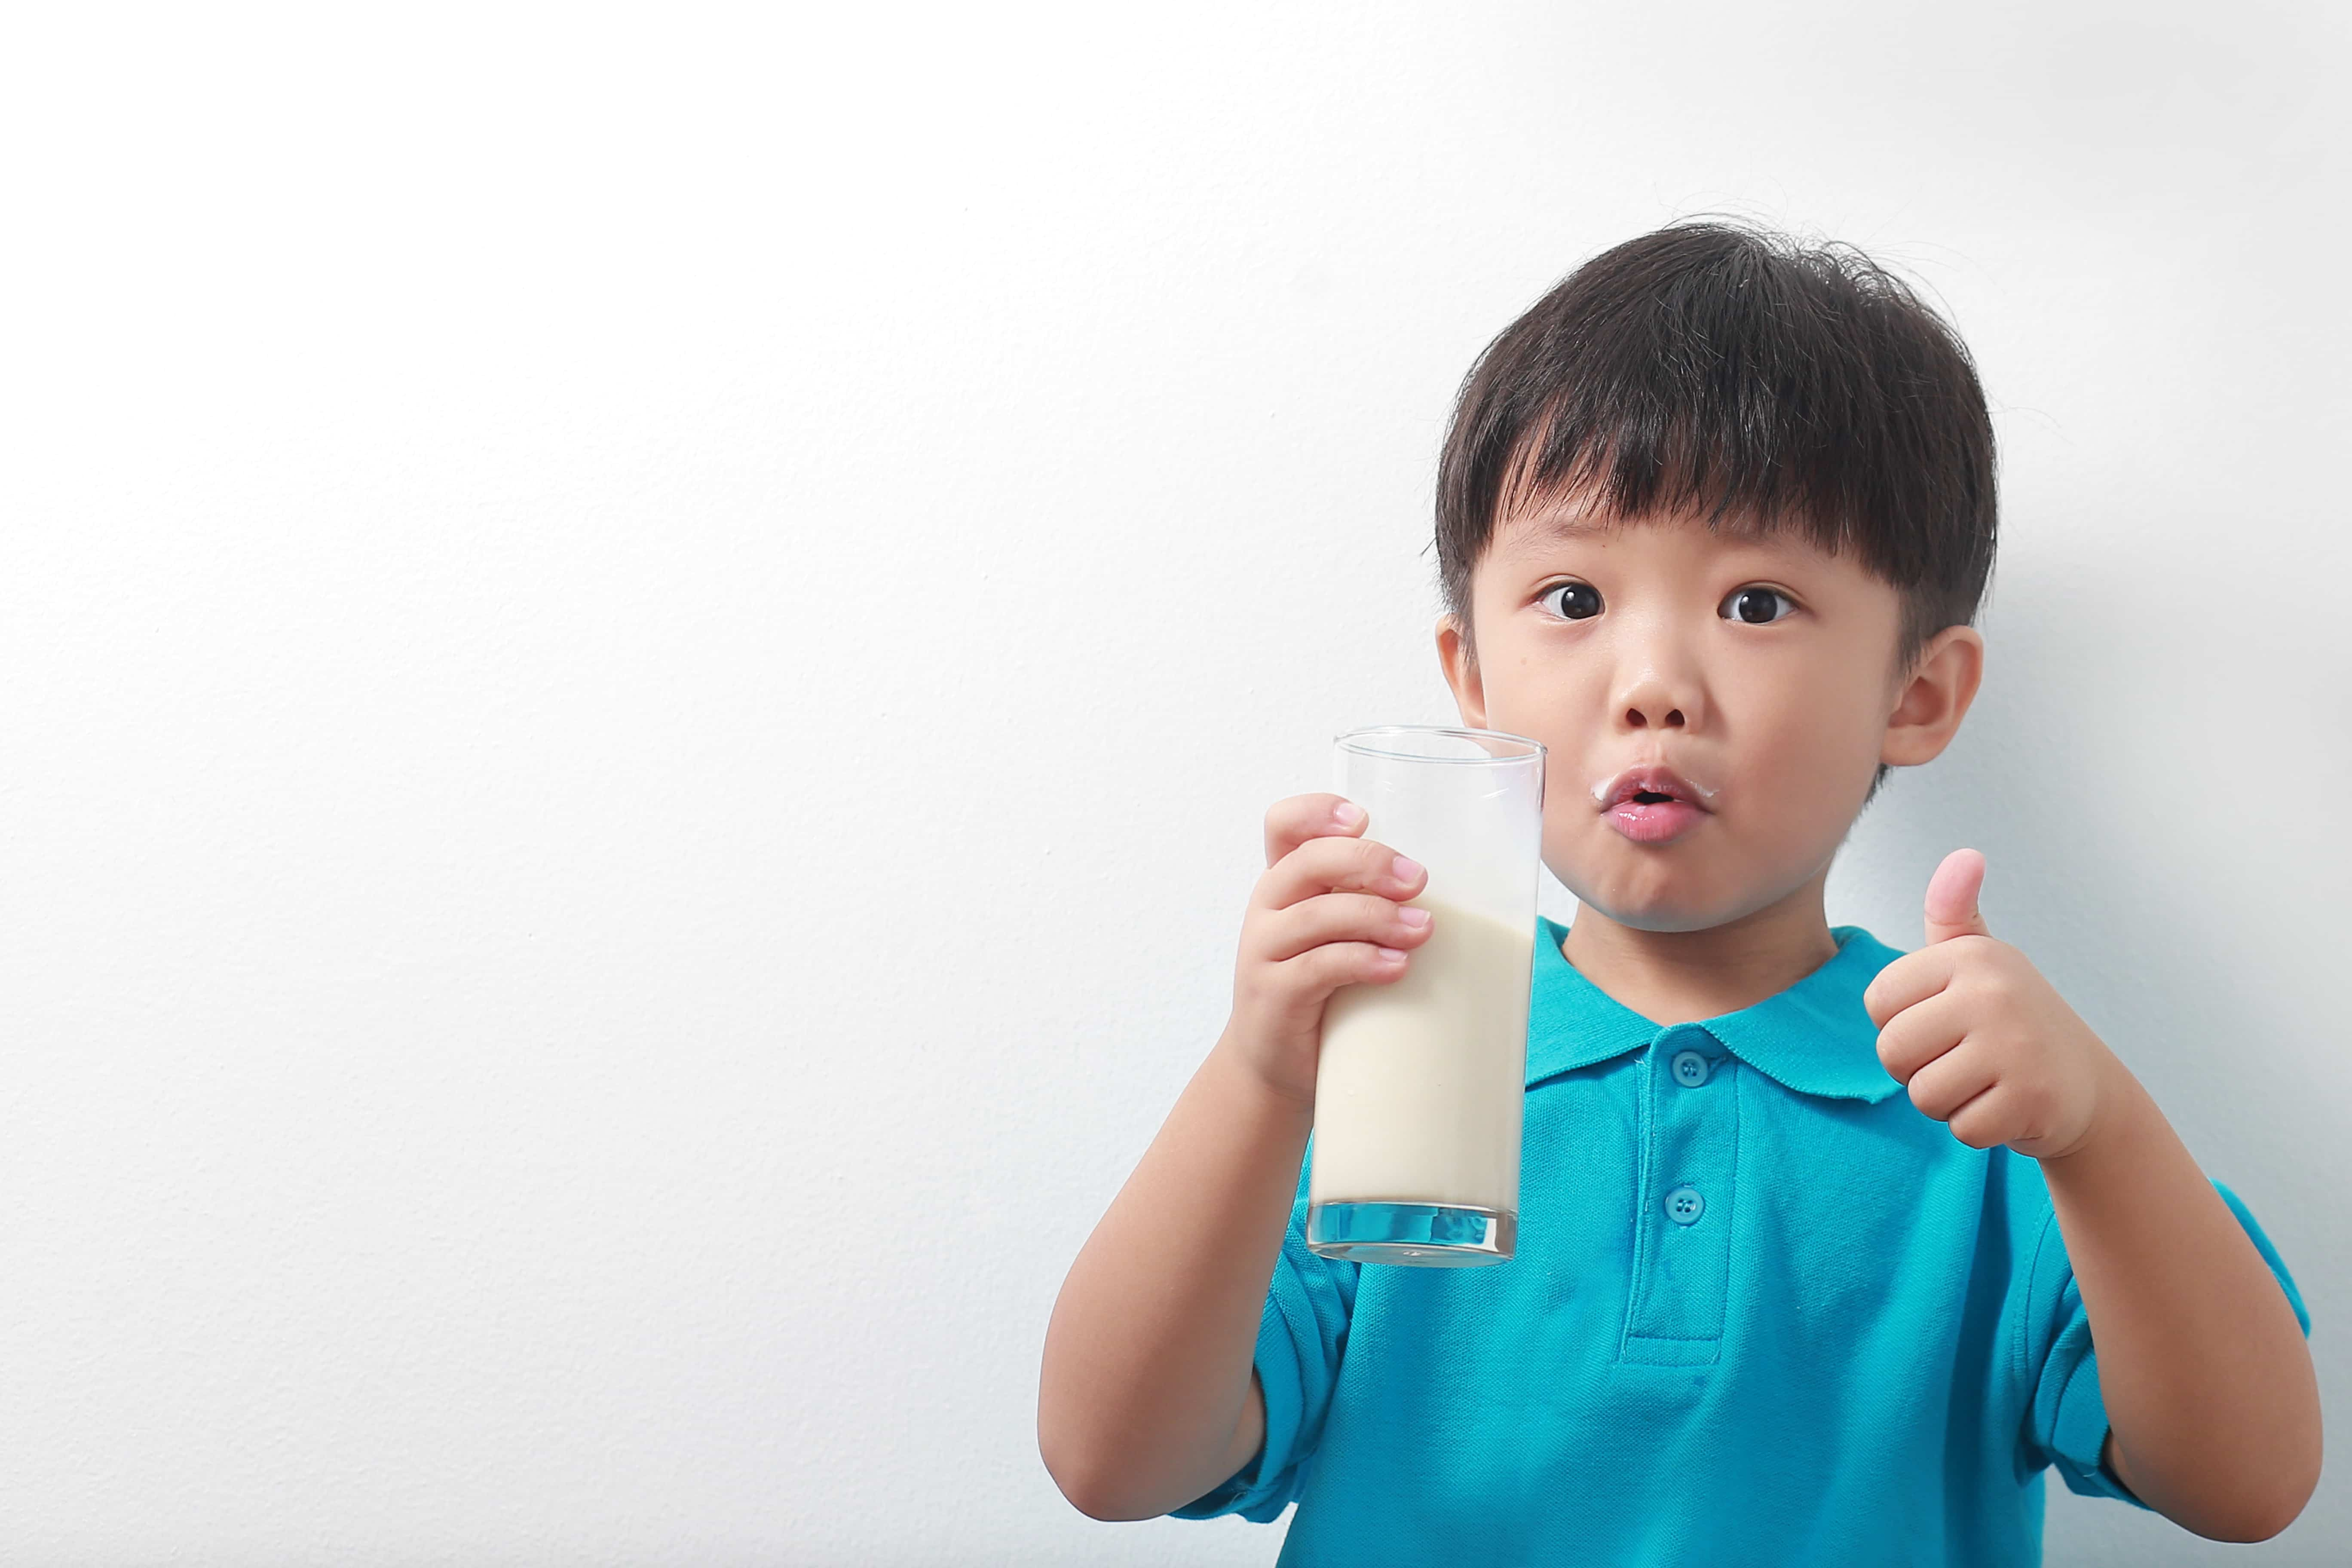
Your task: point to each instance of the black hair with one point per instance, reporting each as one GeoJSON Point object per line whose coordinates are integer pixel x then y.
{"type": "Point", "coordinates": [1715, 363]}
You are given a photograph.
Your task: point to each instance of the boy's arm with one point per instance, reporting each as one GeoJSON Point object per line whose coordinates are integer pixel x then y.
{"type": "Point", "coordinates": [2213, 1405]}
{"type": "Point", "coordinates": [1149, 1396]}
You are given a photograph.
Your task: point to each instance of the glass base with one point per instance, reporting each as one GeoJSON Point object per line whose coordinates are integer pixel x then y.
{"type": "Point", "coordinates": [1432, 1236]}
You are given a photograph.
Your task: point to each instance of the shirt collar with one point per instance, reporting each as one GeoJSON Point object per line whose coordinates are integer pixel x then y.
{"type": "Point", "coordinates": [1815, 1036]}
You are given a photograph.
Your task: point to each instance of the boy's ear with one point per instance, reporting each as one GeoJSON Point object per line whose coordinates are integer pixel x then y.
{"type": "Point", "coordinates": [1454, 657]}
{"type": "Point", "coordinates": [1934, 697]}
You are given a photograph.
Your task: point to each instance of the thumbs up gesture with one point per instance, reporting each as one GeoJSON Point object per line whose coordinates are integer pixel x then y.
{"type": "Point", "coordinates": [1983, 1042]}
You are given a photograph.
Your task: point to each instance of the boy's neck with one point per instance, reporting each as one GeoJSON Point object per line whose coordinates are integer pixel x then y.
{"type": "Point", "coordinates": [1682, 976]}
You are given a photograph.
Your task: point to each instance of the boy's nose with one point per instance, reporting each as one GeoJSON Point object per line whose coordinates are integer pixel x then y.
{"type": "Point", "coordinates": [1656, 702]}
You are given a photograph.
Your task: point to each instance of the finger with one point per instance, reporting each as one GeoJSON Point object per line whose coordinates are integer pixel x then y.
{"type": "Point", "coordinates": [1950, 1081]}
{"type": "Point", "coordinates": [1988, 1120]}
{"type": "Point", "coordinates": [1331, 864]}
{"type": "Point", "coordinates": [1952, 898]}
{"type": "Point", "coordinates": [1290, 823]}
{"type": "Point", "coordinates": [1906, 981]}
{"type": "Point", "coordinates": [1323, 968]}
{"type": "Point", "coordinates": [1340, 916]}
{"type": "Point", "coordinates": [1914, 1038]}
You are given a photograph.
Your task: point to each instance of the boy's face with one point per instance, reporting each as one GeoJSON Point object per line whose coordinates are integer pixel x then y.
{"type": "Point", "coordinates": [1761, 669]}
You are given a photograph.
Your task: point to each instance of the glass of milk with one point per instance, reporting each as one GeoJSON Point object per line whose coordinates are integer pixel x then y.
{"type": "Point", "coordinates": [1421, 1079]}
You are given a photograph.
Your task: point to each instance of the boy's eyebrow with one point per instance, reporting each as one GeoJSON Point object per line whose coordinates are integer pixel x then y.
{"type": "Point", "coordinates": [1567, 527]}
{"type": "Point", "coordinates": [1555, 527]}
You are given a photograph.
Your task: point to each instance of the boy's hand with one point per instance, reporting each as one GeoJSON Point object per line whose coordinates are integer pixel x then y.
{"type": "Point", "coordinates": [1328, 912]}
{"type": "Point", "coordinates": [1982, 1040]}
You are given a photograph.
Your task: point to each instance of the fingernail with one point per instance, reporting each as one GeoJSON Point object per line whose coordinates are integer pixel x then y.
{"type": "Point", "coordinates": [1347, 814]}
{"type": "Point", "coordinates": [1406, 871]}
{"type": "Point", "coordinates": [1414, 917]}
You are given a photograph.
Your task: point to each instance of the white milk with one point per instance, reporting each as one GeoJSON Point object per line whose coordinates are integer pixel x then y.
{"type": "Point", "coordinates": [1421, 1079]}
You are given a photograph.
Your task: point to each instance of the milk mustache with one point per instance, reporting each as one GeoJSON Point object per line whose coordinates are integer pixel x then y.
{"type": "Point", "coordinates": [1419, 1089]}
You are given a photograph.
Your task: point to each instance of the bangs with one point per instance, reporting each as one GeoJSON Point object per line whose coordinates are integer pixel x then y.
{"type": "Point", "coordinates": [1614, 478]}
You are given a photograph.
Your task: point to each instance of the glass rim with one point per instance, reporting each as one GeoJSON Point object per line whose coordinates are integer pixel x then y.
{"type": "Point", "coordinates": [1358, 740]}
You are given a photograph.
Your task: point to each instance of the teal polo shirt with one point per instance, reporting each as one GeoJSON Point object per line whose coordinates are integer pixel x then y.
{"type": "Point", "coordinates": [1763, 1312]}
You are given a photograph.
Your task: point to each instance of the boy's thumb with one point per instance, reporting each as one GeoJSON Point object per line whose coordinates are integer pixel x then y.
{"type": "Point", "coordinates": [1952, 896]}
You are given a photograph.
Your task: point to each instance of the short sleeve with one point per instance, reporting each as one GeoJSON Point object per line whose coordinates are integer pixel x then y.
{"type": "Point", "coordinates": [1302, 1332]}
{"type": "Point", "coordinates": [2066, 1425]}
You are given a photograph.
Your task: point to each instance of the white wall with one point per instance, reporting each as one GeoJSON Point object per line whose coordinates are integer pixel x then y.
{"type": "Point", "coordinates": [640, 656]}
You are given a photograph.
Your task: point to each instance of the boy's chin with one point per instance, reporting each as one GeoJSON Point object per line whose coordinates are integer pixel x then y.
{"type": "Point", "coordinates": [1656, 911]}
{"type": "Point", "coordinates": [1656, 920]}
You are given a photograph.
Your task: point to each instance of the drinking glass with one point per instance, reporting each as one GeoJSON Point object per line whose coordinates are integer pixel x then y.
{"type": "Point", "coordinates": [1422, 1080]}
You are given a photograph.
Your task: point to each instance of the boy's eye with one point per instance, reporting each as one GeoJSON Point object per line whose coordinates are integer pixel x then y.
{"type": "Point", "coordinates": [1578, 601]}
{"type": "Point", "coordinates": [1754, 605]}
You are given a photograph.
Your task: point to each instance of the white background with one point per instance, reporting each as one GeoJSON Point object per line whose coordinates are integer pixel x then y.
{"type": "Point", "coordinates": [641, 654]}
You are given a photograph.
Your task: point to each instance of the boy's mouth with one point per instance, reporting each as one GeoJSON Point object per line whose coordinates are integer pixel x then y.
{"type": "Point", "coordinates": [1649, 783]}
{"type": "Point", "coordinates": [1652, 804]}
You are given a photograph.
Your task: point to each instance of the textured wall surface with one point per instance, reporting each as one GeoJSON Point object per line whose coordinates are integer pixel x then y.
{"type": "Point", "coordinates": [641, 652]}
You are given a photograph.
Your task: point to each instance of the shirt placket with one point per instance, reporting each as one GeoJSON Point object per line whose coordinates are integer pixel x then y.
{"type": "Point", "coordinates": [1682, 1241]}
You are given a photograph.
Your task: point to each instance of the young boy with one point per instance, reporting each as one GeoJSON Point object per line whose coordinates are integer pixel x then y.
{"type": "Point", "coordinates": [1714, 519]}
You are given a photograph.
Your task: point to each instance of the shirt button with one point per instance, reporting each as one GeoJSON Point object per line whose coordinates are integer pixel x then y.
{"type": "Point", "coordinates": [1683, 1205]}
{"type": "Point", "coordinates": [1691, 1068]}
